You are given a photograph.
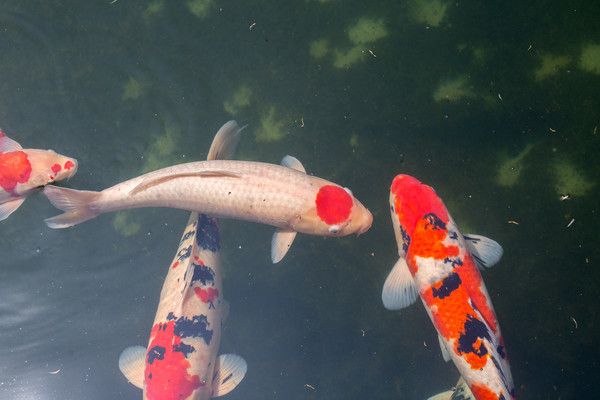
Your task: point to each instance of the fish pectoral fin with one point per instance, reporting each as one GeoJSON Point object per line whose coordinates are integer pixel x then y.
{"type": "Point", "coordinates": [399, 290]}
{"type": "Point", "coordinates": [229, 372]}
{"type": "Point", "coordinates": [132, 363]}
{"type": "Point", "coordinates": [225, 141]}
{"type": "Point", "coordinates": [150, 182]}
{"type": "Point", "coordinates": [460, 392]}
{"type": "Point", "coordinates": [10, 207]}
{"type": "Point", "coordinates": [293, 163]}
{"type": "Point", "coordinates": [443, 347]}
{"type": "Point", "coordinates": [485, 251]}
{"type": "Point", "coordinates": [7, 144]}
{"type": "Point", "coordinates": [280, 244]}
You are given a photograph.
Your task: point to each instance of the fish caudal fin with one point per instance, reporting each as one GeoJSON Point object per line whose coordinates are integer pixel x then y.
{"type": "Point", "coordinates": [460, 392]}
{"type": "Point", "coordinates": [485, 251]}
{"type": "Point", "coordinates": [230, 371]}
{"type": "Point", "coordinates": [132, 363]}
{"type": "Point", "coordinates": [10, 207]}
{"type": "Point", "coordinates": [225, 141]}
{"type": "Point", "coordinates": [399, 290]}
{"type": "Point", "coordinates": [280, 244]}
{"type": "Point", "coordinates": [74, 203]}
{"type": "Point", "coordinates": [7, 144]}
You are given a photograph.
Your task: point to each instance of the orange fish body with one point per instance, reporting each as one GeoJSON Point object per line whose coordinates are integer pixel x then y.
{"type": "Point", "coordinates": [440, 265]}
{"type": "Point", "coordinates": [23, 171]}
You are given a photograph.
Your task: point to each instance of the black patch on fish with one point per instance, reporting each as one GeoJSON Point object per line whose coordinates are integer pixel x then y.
{"type": "Point", "coordinates": [500, 349]}
{"type": "Point", "coordinates": [454, 261]}
{"type": "Point", "coordinates": [449, 285]}
{"type": "Point", "coordinates": [207, 234]}
{"type": "Point", "coordinates": [156, 353]}
{"type": "Point", "coordinates": [228, 377]}
{"type": "Point", "coordinates": [405, 239]}
{"type": "Point", "coordinates": [474, 329]}
{"type": "Point", "coordinates": [186, 349]}
{"type": "Point", "coordinates": [435, 222]}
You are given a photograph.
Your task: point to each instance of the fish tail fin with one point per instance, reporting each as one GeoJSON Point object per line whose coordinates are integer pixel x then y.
{"type": "Point", "coordinates": [74, 203]}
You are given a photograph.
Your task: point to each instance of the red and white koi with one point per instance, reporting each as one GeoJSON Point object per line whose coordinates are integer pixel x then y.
{"type": "Point", "coordinates": [180, 361]}
{"type": "Point", "coordinates": [24, 171]}
{"type": "Point", "coordinates": [280, 195]}
{"type": "Point", "coordinates": [440, 265]}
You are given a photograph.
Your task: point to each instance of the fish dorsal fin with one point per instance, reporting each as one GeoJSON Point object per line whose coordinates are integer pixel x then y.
{"type": "Point", "coordinates": [225, 141]}
{"type": "Point", "coordinates": [399, 290]}
{"type": "Point", "coordinates": [445, 353]}
{"type": "Point", "coordinates": [150, 182]}
{"type": "Point", "coordinates": [229, 372]}
{"type": "Point", "coordinates": [293, 163]}
{"type": "Point", "coordinates": [485, 251]}
{"type": "Point", "coordinates": [280, 244]}
{"type": "Point", "coordinates": [10, 207]}
{"type": "Point", "coordinates": [132, 363]}
{"type": "Point", "coordinates": [7, 144]}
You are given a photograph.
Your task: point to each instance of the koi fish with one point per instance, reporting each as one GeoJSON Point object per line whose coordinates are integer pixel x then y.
{"type": "Point", "coordinates": [280, 195]}
{"type": "Point", "coordinates": [24, 171]}
{"type": "Point", "coordinates": [180, 361]}
{"type": "Point", "coordinates": [441, 266]}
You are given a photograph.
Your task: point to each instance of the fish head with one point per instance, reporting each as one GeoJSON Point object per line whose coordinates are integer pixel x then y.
{"type": "Point", "coordinates": [410, 201]}
{"type": "Point", "coordinates": [336, 212]}
{"type": "Point", "coordinates": [49, 166]}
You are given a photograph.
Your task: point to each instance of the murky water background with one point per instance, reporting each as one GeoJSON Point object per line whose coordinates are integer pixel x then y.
{"type": "Point", "coordinates": [496, 106]}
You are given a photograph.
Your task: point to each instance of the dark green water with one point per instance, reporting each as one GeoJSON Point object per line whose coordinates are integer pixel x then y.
{"type": "Point", "coordinates": [450, 98]}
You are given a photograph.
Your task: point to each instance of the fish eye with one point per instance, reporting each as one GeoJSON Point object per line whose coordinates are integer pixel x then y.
{"type": "Point", "coordinates": [334, 229]}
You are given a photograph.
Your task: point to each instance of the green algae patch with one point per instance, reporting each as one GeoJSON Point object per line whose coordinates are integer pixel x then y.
{"type": "Point", "coordinates": [319, 48]}
{"type": "Point", "coordinates": [161, 151]}
{"type": "Point", "coordinates": [454, 90]}
{"type": "Point", "coordinates": [345, 59]}
{"type": "Point", "coordinates": [568, 180]}
{"type": "Point", "coordinates": [154, 8]}
{"type": "Point", "coordinates": [271, 127]}
{"type": "Point", "coordinates": [428, 12]}
{"type": "Point", "coordinates": [124, 225]}
{"type": "Point", "coordinates": [590, 58]}
{"type": "Point", "coordinates": [551, 64]}
{"type": "Point", "coordinates": [241, 99]}
{"type": "Point", "coordinates": [511, 167]}
{"type": "Point", "coordinates": [367, 30]}
{"type": "Point", "coordinates": [200, 8]}
{"type": "Point", "coordinates": [133, 89]}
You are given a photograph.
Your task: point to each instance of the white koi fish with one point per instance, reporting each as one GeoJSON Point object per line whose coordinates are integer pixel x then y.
{"type": "Point", "coordinates": [180, 361]}
{"type": "Point", "coordinates": [24, 171]}
{"type": "Point", "coordinates": [280, 195]}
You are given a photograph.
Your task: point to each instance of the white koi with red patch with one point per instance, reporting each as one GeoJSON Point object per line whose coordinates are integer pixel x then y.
{"type": "Point", "coordinates": [440, 265]}
{"type": "Point", "coordinates": [282, 196]}
{"type": "Point", "coordinates": [24, 171]}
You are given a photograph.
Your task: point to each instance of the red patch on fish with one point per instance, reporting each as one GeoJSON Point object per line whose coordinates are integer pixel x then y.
{"type": "Point", "coordinates": [175, 264]}
{"type": "Point", "coordinates": [413, 200]}
{"type": "Point", "coordinates": [69, 164]}
{"type": "Point", "coordinates": [56, 168]}
{"type": "Point", "coordinates": [166, 377]}
{"type": "Point", "coordinates": [483, 393]}
{"type": "Point", "coordinates": [334, 204]}
{"type": "Point", "coordinates": [207, 296]}
{"type": "Point", "coordinates": [14, 168]}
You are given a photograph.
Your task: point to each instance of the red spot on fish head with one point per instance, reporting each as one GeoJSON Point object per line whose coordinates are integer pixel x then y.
{"type": "Point", "coordinates": [14, 168]}
{"type": "Point", "coordinates": [334, 204]}
{"type": "Point", "coordinates": [69, 165]}
{"type": "Point", "coordinates": [412, 200]}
